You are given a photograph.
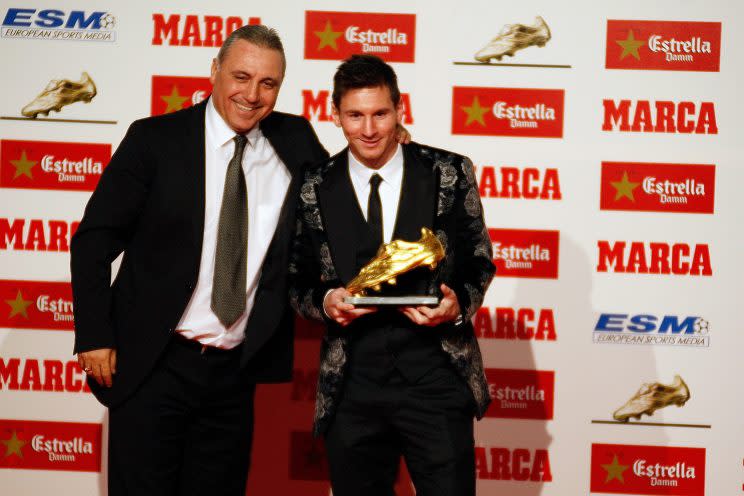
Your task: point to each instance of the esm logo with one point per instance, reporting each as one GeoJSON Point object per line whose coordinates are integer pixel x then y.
{"type": "Point", "coordinates": [649, 329]}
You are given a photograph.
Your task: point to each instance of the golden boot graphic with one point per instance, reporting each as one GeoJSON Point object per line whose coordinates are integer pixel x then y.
{"type": "Point", "coordinates": [395, 258]}
{"type": "Point", "coordinates": [61, 92]}
{"type": "Point", "coordinates": [652, 397]}
{"type": "Point", "coordinates": [514, 37]}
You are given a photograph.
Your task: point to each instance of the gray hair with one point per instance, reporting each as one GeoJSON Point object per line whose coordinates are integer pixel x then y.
{"type": "Point", "coordinates": [256, 34]}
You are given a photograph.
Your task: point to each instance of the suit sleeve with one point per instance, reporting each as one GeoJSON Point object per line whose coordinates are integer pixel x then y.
{"type": "Point", "coordinates": [306, 290]}
{"type": "Point", "coordinates": [108, 224]}
{"type": "Point", "coordinates": [474, 266]}
{"type": "Point", "coordinates": [318, 151]}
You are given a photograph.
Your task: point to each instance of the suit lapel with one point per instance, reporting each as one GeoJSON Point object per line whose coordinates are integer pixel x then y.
{"type": "Point", "coordinates": [337, 198]}
{"type": "Point", "coordinates": [417, 200]}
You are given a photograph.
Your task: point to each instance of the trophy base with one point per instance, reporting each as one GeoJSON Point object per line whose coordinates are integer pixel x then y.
{"type": "Point", "coordinates": [392, 300]}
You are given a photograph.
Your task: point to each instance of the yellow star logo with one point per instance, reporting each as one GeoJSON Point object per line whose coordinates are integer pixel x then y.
{"type": "Point", "coordinates": [630, 46]}
{"type": "Point", "coordinates": [23, 166]}
{"type": "Point", "coordinates": [13, 445]}
{"type": "Point", "coordinates": [18, 306]}
{"type": "Point", "coordinates": [328, 37]}
{"type": "Point", "coordinates": [614, 470]}
{"type": "Point", "coordinates": [174, 100]}
{"type": "Point", "coordinates": [475, 113]}
{"type": "Point", "coordinates": [624, 188]}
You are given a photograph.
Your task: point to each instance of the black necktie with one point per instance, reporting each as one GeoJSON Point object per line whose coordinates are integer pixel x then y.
{"type": "Point", "coordinates": [228, 284]}
{"type": "Point", "coordinates": [374, 209]}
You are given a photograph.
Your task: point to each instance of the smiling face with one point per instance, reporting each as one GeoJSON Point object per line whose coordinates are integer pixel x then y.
{"type": "Point", "coordinates": [245, 84]}
{"type": "Point", "coordinates": [369, 120]}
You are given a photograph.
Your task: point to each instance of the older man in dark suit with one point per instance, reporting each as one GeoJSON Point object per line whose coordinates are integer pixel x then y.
{"type": "Point", "coordinates": [404, 381]}
{"type": "Point", "coordinates": [201, 202]}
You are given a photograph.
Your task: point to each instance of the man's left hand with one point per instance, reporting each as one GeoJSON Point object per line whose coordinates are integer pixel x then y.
{"type": "Point", "coordinates": [448, 310]}
{"type": "Point", "coordinates": [402, 135]}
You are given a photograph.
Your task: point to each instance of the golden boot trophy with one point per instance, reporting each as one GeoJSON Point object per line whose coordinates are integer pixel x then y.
{"type": "Point", "coordinates": [652, 397]}
{"type": "Point", "coordinates": [514, 37]}
{"type": "Point", "coordinates": [59, 93]}
{"type": "Point", "coordinates": [392, 260]}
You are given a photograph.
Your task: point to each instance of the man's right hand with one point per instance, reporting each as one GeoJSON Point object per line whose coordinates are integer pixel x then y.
{"type": "Point", "coordinates": [99, 364]}
{"type": "Point", "coordinates": [340, 312]}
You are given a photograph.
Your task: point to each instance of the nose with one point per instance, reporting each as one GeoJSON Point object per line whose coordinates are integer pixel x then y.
{"type": "Point", "coordinates": [251, 93]}
{"type": "Point", "coordinates": [368, 127]}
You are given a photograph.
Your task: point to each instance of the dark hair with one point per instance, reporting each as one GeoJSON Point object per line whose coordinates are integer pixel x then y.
{"type": "Point", "coordinates": [364, 71]}
{"type": "Point", "coordinates": [257, 34]}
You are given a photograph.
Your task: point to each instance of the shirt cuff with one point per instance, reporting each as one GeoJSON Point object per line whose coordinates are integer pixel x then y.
{"type": "Point", "coordinates": [322, 304]}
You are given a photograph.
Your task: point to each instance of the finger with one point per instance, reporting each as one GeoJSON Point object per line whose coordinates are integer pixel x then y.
{"type": "Point", "coordinates": [429, 313]}
{"type": "Point", "coordinates": [112, 361]}
{"type": "Point", "coordinates": [446, 290]}
{"type": "Point", "coordinates": [97, 374]}
{"type": "Point", "coordinates": [344, 307]}
{"type": "Point", "coordinates": [106, 373]}
{"type": "Point", "coordinates": [417, 316]}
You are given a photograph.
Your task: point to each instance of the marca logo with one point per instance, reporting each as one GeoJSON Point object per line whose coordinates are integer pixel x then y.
{"type": "Point", "coordinates": [658, 187]}
{"type": "Point", "coordinates": [193, 30]}
{"type": "Point", "coordinates": [507, 112]}
{"type": "Point", "coordinates": [36, 234]}
{"type": "Point", "coordinates": [32, 374]}
{"type": "Point", "coordinates": [52, 165]}
{"type": "Point", "coordinates": [317, 106]}
{"type": "Point", "coordinates": [338, 35]}
{"type": "Point", "coordinates": [50, 445]}
{"type": "Point", "coordinates": [647, 329]}
{"type": "Point", "coordinates": [647, 470]}
{"type": "Point", "coordinates": [656, 258]}
{"type": "Point", "coordinates": [525, 253]}
{"type": "Point", "coordinates": [522, 324]}
{"type": "Point", "coordinates": [667, 117]}
{"type": "Point", "coordinates": [517, 464]}
{"type": "Point", "coordinates": [307, 457]}
{"type": "Point", "coordinates": [173, 93]}
{"type": "Point", "coordinates": [529, 183]}
{"type": "Point", "coordinates": [663, 45]}
{"type": "Point", "coordinates": [54, 24]}
{"type": "Point", "coordinates": [36, 305]}
{"type": "Point", "coordinates": [523, 394]}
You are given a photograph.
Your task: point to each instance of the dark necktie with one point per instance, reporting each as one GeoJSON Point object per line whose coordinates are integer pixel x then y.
{"type": "Point", "coordinates": [228, 285]}
{"type": "Point", "coordinates": [374, 209]}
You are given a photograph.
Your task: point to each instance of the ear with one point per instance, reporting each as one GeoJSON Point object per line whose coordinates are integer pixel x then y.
{"type": "Point", "coordinates": [213, 73]}
{"type": "Point", "coordinates": [399, 111]}
{"type": "Point", "coordinates": [336, 116]}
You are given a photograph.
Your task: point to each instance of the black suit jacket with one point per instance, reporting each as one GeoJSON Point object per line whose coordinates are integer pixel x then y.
{"type": "Point", "coordinates": [439, 190]}
{"type": "Point", "coordinates": [149, 204]}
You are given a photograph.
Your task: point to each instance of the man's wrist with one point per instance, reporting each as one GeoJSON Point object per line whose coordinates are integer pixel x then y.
{"type": "Point", "coordinates": [325, 296]}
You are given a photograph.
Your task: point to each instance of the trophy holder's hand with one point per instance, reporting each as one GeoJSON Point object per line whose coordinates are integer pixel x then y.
{"type": "Point", "coordinates": [448, 310]}
{"type": "Point", "coordinates": [340, 312]}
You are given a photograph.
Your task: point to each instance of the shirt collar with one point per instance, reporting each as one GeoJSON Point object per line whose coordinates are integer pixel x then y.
{"type": "Point", "coordinates": [391, 172]}
{"type": "Point", "coordinates": [218, 133]}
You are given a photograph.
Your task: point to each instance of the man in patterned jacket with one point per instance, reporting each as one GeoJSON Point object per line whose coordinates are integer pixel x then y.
{"type": "Point", "coordinates": [393, 381]}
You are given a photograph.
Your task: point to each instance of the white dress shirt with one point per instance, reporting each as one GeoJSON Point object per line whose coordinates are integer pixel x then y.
{"type": "Point", "coordinates": [267, 181]}
{"type": "Point", "coordinates": [392, 181]}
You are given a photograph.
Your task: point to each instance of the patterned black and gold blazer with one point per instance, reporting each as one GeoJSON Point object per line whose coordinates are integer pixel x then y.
{"type": "Point", "coordinates": [322, 258]}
